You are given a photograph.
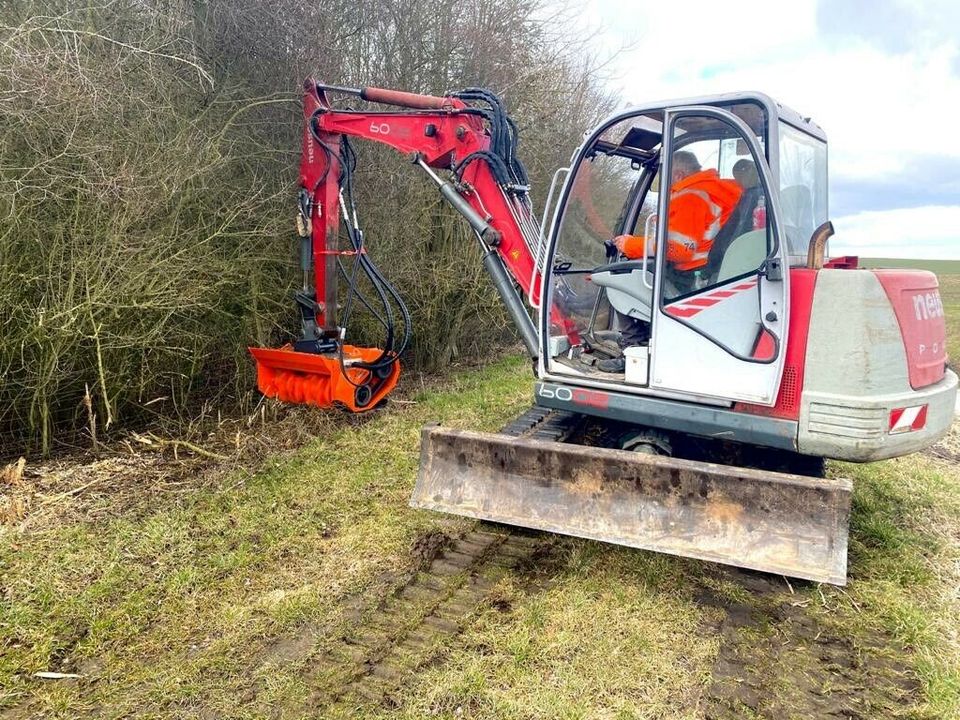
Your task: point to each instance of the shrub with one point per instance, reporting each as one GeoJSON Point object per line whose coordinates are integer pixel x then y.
{"type": "Point", "coordinates": [148, 156]}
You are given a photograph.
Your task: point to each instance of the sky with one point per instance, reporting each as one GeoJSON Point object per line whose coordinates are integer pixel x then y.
{"type": "Point", "coordinates": [881, 77]}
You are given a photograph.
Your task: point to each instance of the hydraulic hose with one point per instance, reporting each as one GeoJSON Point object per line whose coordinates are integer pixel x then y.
{"type": "Point", "coordinates": [385, 292]}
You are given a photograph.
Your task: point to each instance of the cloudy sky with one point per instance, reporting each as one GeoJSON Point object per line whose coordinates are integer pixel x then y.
{"type": "Point", "coordinates": [881, 77]}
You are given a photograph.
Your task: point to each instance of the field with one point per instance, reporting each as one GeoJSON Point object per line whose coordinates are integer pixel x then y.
{"type": "Point", "coordinates": [305, 587]}
{"type": "Point", "coordinates": [950, 294]}
{"type": "Point", "coordinates": [940, 267]}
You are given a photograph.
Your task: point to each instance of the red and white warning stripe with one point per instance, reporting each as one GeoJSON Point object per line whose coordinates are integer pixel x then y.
{"type": "Point", "coordinates": [908, 419]}
{"type": "Point", "coordinates": [691, 306]}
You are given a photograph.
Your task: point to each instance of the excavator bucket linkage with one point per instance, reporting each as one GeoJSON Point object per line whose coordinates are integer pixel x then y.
{"type": "Point", "coordinates": [775, 522]}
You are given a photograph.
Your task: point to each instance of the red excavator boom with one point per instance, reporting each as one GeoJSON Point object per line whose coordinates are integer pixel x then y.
{"type": "Point", "coordinates": [467, 134]}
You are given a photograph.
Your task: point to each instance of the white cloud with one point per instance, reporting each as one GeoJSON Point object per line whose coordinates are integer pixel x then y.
{"type": "Point", "coordinates": [878, 110]}
{"type": "Point", "coordinates": [922, 232]}
{"type": "Point", "coordinates": [884, 105]}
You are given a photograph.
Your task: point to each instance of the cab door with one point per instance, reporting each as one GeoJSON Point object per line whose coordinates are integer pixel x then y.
{"type": "Point", "coordinates": [720, 330]}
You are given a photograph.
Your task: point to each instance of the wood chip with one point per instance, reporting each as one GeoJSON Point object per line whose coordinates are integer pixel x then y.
{"type": "Point", "coordinates": [47, 675]}
{"type": "Point", "coordinates": [12, 474]}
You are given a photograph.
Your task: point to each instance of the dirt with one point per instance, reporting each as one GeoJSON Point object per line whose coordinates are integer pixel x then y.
{"type": "Point", "coordinates": [781, 658]}
{"type": "Point", "coordinates": [388, 638]}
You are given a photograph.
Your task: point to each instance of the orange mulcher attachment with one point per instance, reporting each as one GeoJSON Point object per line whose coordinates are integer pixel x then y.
{"type": "Point", "coordinates": [319, 368]}
{"type": "Point", "coordinates": [314, 379]}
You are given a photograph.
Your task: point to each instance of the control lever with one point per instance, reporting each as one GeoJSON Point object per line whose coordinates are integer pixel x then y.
{"type": "Point", "coordinates": [610, 249]}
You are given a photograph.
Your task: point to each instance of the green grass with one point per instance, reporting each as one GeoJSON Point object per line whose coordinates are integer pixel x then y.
{"type": "Point", "coordinates": [175, 610]}
{"type": "Point", "coordinates": [950, 295]}
{"type": "Point", "coordinates": [172, 605]}
{"type": "Point", "coordinates": [905, 560]}
{"type": "Point", "coordinates": [940, 267]}
{"type": "Point", "coordinates": [621, 634]}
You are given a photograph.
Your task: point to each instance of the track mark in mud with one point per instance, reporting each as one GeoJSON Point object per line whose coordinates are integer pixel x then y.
{"type": "Point", "coordinates": [369, 662]}
{"type": "Point", "coordinates": [413, 614]}
{"type": "Point", "coordinates": [778, 659]}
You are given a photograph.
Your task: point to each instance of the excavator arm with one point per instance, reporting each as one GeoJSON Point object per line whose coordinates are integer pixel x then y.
{"type": "Point", "coordinates": [466, 136]}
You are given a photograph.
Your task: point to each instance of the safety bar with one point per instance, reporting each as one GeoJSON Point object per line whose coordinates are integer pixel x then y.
{"type": "Point", "coordinates": [651, 219]}
{"type": "Point", "coordinates": [540, 251]}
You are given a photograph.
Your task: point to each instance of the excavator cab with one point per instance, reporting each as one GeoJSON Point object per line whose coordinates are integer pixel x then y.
{"type": "Point", "coordinates": [703, 339]}
{"type": "Point", "coordinates": [739, 348]}
{"type": "Point", "coordinates": [681, 328]}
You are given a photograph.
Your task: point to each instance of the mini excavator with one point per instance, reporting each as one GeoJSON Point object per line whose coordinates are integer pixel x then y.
{"type": "Point", "coordinates": [766, 360]}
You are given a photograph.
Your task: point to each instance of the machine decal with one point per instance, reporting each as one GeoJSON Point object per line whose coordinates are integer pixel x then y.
{"type": "Point", "coordinates": [691, 306]}
{"type": "Point", "coordinates": [928, 305]}
{"type": "Point", "coordinates": [908, 419]}
{"type": "Point", "coordinates": [590, 398]}
{"type": "Point", "coordinates": [915, 297]}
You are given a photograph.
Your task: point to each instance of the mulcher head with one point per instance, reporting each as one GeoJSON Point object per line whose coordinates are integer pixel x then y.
{"type": "Point", "coordinates": [322, 379]}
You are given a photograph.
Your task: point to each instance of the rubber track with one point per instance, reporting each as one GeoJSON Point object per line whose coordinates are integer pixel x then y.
{"type": "Point", "coordinates": [540, 423]}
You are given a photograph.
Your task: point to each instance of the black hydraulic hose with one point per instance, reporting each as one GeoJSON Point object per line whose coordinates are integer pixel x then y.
{"type": "Point", "coordinates": [404, 311]}
{"type": "Point", "coordinates": [390, 353]}
{"type": "Point", "coordinates": [374, 273]}
{"type": "Point", "coordinates": [361, 297]}
{"type": "Point", "coordinates": [497, 166]}
{"type": "Point", "coordinates": [504, 138]}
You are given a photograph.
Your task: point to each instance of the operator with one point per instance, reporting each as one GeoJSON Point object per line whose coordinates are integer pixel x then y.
{"type": "Point", "coordinates": [700, 203]}
{"type": "Point", "coordinates": [745, 173]}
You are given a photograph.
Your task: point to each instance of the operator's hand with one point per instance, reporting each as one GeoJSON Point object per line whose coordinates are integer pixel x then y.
{"type": "Point", "coordinates": [633, 246]}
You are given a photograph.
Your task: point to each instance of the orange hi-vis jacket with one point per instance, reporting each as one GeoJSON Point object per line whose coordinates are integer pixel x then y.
{"type": "Point", "coordinates": [699, 206]}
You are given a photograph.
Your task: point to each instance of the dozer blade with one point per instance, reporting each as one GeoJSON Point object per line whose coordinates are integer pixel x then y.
{"type": "Point", "coordinates": [774, 522]}
{"type": "Point", "coordinates": [313, 379]}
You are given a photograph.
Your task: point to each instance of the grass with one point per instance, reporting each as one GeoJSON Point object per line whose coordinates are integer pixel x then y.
{"type": "Point", "coordinates": [171, 605]}
{"type": "Point", "coordinates": [950, 295]}
{"type": "Point", "coordinates": [614, 635]}
{"type": "Point", "coordinates": [177, 611]}
{"type": "Point", "coordinates": [622, 634]}
{"type": "Point", "coordinates": [940, 267]}
{"type": "Point", "coordinates": [905, 560]}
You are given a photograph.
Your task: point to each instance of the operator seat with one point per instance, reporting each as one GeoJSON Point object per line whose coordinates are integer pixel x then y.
{"type": "Point", "coordinates": [626, 290]}
{"type": "Point", "coordinates": [739, 222]}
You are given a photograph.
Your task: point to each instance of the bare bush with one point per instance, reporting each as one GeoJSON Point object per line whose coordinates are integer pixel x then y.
{"type": "Point", "coordinates": [147, 159]}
